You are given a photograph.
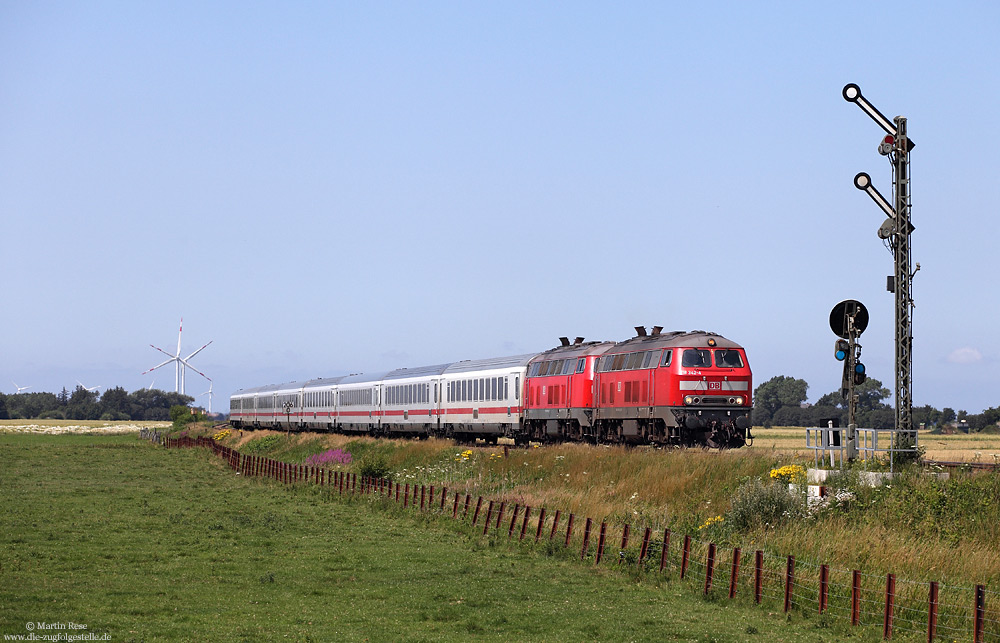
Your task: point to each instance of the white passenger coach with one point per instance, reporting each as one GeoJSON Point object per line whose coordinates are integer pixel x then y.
{"type": "Point", "coordinates": [461, 400]}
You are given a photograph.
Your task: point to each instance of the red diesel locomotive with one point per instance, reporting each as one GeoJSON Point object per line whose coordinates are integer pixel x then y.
{"type": "Point", "coordinates": [681, 388]}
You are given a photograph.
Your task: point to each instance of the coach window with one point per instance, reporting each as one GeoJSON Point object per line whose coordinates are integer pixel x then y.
{"type": "Point", "coordinates": [667, 355]}
{"type": "Point", "coordinates": [580, 363]}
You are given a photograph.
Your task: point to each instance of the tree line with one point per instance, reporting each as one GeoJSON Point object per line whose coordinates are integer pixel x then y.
{"type": "Point", "coordinates": [115, 404]}
{"type": "Point", "coordinates": [780, 402]}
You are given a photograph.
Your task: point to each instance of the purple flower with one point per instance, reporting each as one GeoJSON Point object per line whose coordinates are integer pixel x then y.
{"type": "Point", "coordinates": [333, 456]}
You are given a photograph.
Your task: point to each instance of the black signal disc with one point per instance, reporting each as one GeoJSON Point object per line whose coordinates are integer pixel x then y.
{"type": "Point", "coordinates": [845, 309]}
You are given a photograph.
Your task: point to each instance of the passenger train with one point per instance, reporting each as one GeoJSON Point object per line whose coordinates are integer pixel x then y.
{"type": "Point", "coordinates": [675, 388]}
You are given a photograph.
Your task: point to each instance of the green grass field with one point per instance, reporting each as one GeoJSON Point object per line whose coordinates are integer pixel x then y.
{"type": "Point", "coordinates": [144, 543]}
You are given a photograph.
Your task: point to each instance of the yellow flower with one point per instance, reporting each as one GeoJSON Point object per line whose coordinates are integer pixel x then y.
{"type": "Point", "coordinates": [789, 473]}
{"type": "Point", "coordinates": [711, 521]}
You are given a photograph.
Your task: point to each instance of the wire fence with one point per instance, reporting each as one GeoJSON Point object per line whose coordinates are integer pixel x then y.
{"type": "Point", "coordinates": [932, 609]}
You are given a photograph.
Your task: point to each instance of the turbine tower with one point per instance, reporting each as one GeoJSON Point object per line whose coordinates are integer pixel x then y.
{"type": "Point", "coordinates": [209, 394]}
{"type": "Point", "coordinates": [181, 364]}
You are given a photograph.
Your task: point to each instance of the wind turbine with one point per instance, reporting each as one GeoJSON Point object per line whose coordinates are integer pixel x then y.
{"type": "Point", "coordinates": [19, 388]}
{"type": "Point", "coordinates": [89, 389]}
{"type": "Point", "coordinates": [179, 362]}
{"type": "Point", "coordinates": [209, 394]}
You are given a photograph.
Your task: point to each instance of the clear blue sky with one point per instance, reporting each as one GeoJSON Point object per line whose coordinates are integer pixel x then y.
{"type": "Point", "coordinates": [336, 187]}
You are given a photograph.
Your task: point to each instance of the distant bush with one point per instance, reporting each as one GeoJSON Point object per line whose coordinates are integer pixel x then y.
{"type": "Point", "coordinates": [260, 445]}
{"type": "Point", "coordinates": [52, 415]}
{"type": "Point", "coordinates": [181, 416]}
{"type": "Point", "coordinates": [757, 504]}
{"type": "Point", "coordinates": [115, 416]}
{"type": "Point", "coordinates": [375, 465]}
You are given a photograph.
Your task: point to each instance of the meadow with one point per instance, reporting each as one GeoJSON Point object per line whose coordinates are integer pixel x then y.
{"type": "Point", "coordinates": [142, 543]}
{"type": "Point", "coordinates": [917, 526]}
{"type": "Point", "coordinates": [156, 544]}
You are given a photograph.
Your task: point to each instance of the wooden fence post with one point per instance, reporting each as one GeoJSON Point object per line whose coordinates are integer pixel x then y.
{"type": "Point", "coordinates": [621, 552]}
{"type": "Point", "coordinates": [932, 612]}
{"type": "Point", "coordinates": [586, 539]}
{"type": "Point", "coordinates": [541, 521]}
{"type": "Point", "coordinates": [734, 573]}
{"type": "Point", "coordinates": [524, 524]}
{"type": "Point", "coordinates": [758, 576]}
{"type": "Point", "coordinates": [645, 545]}
{"type": "Point", "coordinates": [709, 567]}
{"type": "Point", "coordinates": [855, 597]}
{"type": "Point", "coordinates": [569, 529]}
{"type": "Point", "coordinates": [685, 553]}
{"type": "Point", "coordinates": [890, 600]}
{"type": "Point", "coordinates": [503, 507]}
{"type": "Point", "coordinates": [824, 587]}
{"type": "Point", "coordinates": [600, 543]}
{"type": "Point", "coordinates": [479, 506]}
{"type": "Point", "coordinates": [789, 582]}
{"type": "Point", "coordinates": [555, 524]}
{"type": "Point", "coordinates": [513, 520]}
{"type": "Point", "coordinates": [978, 624]}
{"type": "Point", "coordinates": [489, 518]}
{"type": "Point", "coordinates": [666, 548]}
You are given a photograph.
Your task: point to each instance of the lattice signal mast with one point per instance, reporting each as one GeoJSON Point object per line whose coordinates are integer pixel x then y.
{"type": "Point", "coordinates": [895, 231]}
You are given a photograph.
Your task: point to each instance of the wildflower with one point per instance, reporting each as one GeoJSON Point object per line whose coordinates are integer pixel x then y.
{"type": "Point", "coordinates": [788, 473]}
{"type": "Point", "coordinates": [333, 456]}
{"type": "Point", "coordinates": [711, 521]}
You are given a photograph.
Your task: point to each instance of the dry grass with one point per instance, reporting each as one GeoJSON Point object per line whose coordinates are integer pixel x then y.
{"type": "Point", "coordinates": [960, 447]}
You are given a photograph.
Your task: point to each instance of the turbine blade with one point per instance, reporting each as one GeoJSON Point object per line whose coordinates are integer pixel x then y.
{"type": "Point", "coordinates": [162, 351]}
{"type": "Point", "coordinates": [180, 330]}
{"type": "Point", "coordinates": [159, 365]}
{"type": "Point", "coordinates": [184, 362]}
{"type": "Point", "coordinates": [198, 351]}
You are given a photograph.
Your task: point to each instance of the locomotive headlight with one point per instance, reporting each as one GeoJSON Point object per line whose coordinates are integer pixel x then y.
{"type": "Point", "coordinates": [688, 400]}
{"type": "Point", "coordinates": [739, 400]}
